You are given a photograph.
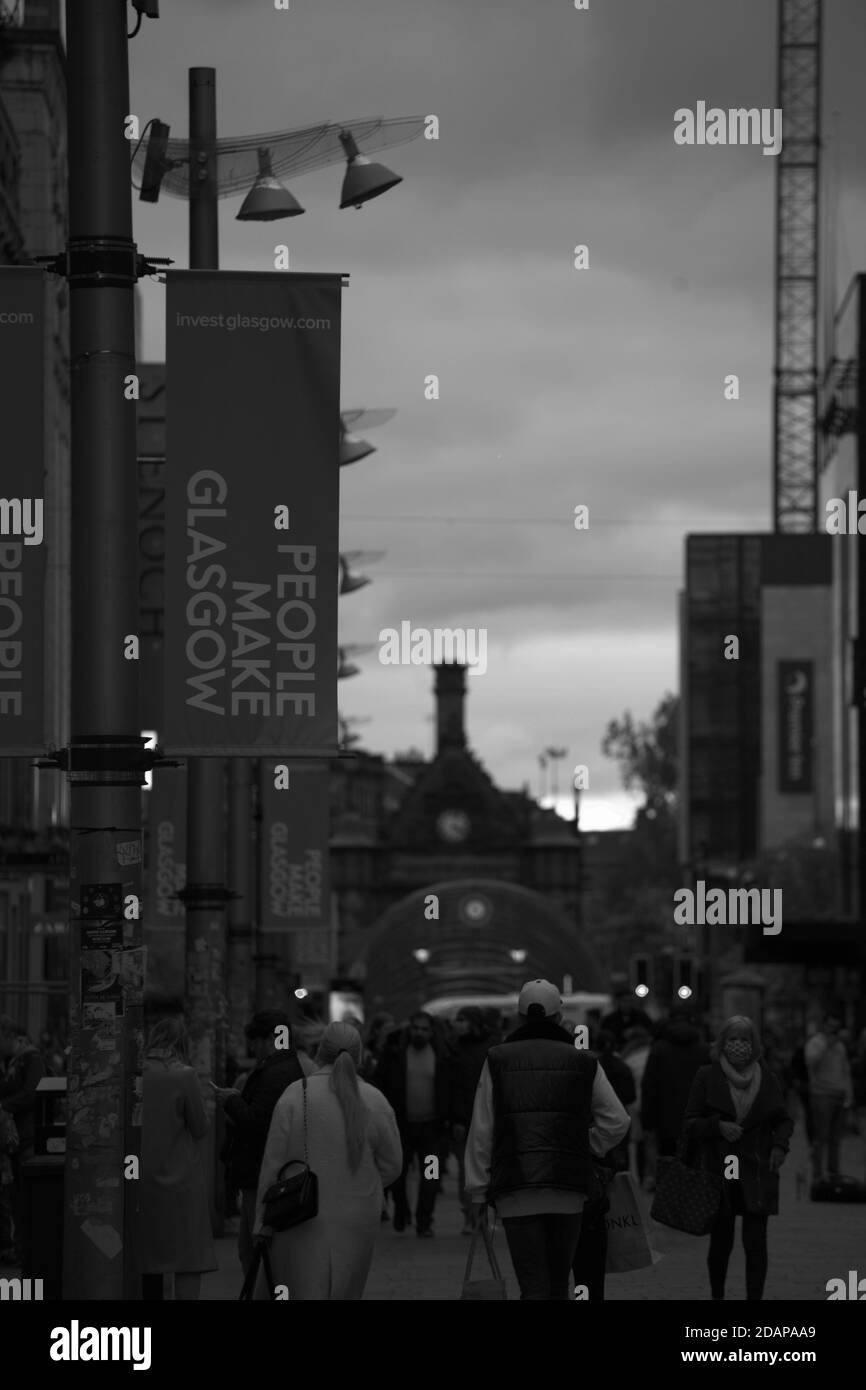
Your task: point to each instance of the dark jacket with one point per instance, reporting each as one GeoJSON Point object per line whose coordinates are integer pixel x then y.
{"type": "Point", "coordinates": [391, 1081]}
{"type": "Point", "coordinates": [542, 1100]}
{"type": "Point", "coordinates": [670, 1069]}
{"type": "Point", "coordinates": [18, 1093]}
{"type": "Point", "coordinates": [251, 1112]}
{"type": "Point", "coordinates": [468, 1062]}
{"type": "Point", "coordinates": [766, 1126]}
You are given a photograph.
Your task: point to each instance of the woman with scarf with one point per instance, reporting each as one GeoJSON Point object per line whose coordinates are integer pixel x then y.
{"type": "Point", "coordinates": [736, 1110]}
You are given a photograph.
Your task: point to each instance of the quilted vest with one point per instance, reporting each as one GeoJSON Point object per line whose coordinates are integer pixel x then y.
{"type": "Point", "coordinates": [542, 1099]}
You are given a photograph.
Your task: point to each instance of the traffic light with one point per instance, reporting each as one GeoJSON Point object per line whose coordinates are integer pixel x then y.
{"type": "Point", "coordinates": [685, 978]}
{"type": "Point", "coordinates": [641, 976]}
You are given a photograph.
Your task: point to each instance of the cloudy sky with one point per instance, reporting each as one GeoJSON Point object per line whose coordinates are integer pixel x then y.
{"type": "Point", "coordinates": [558, 387]}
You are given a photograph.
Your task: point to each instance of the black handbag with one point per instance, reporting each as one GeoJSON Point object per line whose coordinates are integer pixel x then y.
{"type": "Point", "coordinates": [294, 1199]}
{"type": "Point", "coordinates": [687, 1198]}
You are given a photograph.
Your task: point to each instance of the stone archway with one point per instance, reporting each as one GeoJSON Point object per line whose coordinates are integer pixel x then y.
{"type": "Point", "coordinates": [479, 922]}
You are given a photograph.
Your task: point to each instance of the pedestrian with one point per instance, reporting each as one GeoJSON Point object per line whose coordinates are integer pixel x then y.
{"type": "Point", "coordinates": [736, 1110]}
{"type": "Point", "coordinates": [831, 1094]}
{"type": "Point", "coordinates": [674, 1058]}
{"type": "Point", "coordinates": [472, 1044]}
{"type": "Point", "coordinates": [624, 1015]}
{"type": "Point", "coordinates": [249, 1113]}
{"type": "Point", "coordinates": [415, 1077]}
{"type": "Point", "coordinates": [174, 1230]}
{"type": "Point", "coordinates": [590, 1256]}
{"type": "Point", "coordinates": [25, 1068]}
{"type": "Point", "coordinates": [351, 1143]}
{"type": "Point", "coordinates": [799, 1080]}
{"type": "Point", "coordinates": [635, 1053]}
{"type": "Point", "coordinates": [542, 1110]}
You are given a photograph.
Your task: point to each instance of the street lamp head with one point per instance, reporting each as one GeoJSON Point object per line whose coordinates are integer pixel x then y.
{"type": "Point", "coordinates": [352, 449]}
{"type": "Point", "coordinates": [517, 956]}
{"type": "Point", "coordinates": [268, 199]}
{"type": "Point", "coordinates": [351, 583]}
{"type": "Point", "coordinates": [363, 180]}
{"type": "Point", "coordinates": [421, 955]}
{"type": "Point", "coordinates": [345, 668]}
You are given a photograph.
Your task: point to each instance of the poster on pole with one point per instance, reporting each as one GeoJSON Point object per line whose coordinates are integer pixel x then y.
{"type": "Point", "coordinates": [22, 511]}
{"type": "Point", "coordinates": [295, 827]}
{"type": "Point", "coordinates": [252, 513]}
{"type": "Point", "coordinates": [165, 858]}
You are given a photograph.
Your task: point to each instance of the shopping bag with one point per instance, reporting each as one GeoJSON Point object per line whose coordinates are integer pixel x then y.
{"type": "Point", "coordinates": [627, 1244]}
{"type": "Point", "coordinates": [485, 1289]}
{"type": "Point", "coordinates": [686, 1199]}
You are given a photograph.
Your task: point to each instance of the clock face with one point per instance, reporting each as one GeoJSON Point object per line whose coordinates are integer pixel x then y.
{"type": "Point", "coordinates": [453, 826]}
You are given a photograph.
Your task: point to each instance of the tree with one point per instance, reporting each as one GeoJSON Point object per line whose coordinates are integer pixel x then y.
{"type": "Point", "coordinates": [648, 753]}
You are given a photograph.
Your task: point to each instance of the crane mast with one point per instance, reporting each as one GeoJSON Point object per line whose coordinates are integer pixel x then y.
{"type": "Point", "coordinates": [795, 389]}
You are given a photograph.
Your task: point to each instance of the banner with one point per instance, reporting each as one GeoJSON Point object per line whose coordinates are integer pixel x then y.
{"type": "Point", "coordinates": [293, 850]}
{"type": "Point", "coordinates": [796, 694]}
{"type": "Point", "coordinates": [165, 860]}
{"type": "Point", "coordinates": [252, 513]}
{"type": "Point", "coordinates": [22, 485]}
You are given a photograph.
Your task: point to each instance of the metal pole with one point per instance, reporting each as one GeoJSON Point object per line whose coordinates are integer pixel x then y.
{"type": "Point", "coordinates": [205, 894]}
{"type": "Point", "coordinates": [104, 761]}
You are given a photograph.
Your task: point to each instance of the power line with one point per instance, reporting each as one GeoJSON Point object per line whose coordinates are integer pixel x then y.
{"type": "Point", "coordinates": [538, 520]}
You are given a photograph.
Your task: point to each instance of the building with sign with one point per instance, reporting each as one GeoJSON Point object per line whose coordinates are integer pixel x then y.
{"type": "Point", "coordinates": [762, 783]}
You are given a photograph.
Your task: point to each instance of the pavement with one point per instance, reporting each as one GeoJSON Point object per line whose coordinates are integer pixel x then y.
{"type": "Point", "coordinates": [809, 1243]}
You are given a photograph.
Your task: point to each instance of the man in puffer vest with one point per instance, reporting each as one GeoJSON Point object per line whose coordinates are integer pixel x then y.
{"type": "Point", "coordinates": [543, 1109]}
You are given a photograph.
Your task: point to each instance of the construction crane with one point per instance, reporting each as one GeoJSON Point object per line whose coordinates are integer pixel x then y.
{"type": "Point", "coordinates": [795, 393]}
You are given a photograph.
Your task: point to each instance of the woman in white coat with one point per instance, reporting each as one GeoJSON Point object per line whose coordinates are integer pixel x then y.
{"type": "Point", "coordinates": [353, 1147]}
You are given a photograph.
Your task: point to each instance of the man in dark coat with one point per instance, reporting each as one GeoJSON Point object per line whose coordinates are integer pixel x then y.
{"type": "Point", "coordinates": [249, 1113]}
{"type": "Point", "coordinates": [673, 1060]}
{"type": "Point", "coordinates": [415, 1077]}
{"type": "Point", "coordinates": [543, 1111]}
{"type": "Point", "coordinates": [25, 1069]}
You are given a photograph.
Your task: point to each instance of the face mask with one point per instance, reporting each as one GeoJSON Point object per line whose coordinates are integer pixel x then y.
{"type": "Point", "coordinates": [738, 1050]}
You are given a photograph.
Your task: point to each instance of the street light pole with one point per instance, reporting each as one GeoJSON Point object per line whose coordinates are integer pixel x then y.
{"type": "Point", "coordinates": [105, 758]}
{"type": "Point", "coordinates": [205, 894]}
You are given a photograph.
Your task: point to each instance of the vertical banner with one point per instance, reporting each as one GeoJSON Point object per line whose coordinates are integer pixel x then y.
{"type": "Point", "coordinates": [252, 512]}
{"type": "Point", "coordinates": [796, 695]}
{"type": "Point", "coordinates": [294, 877]}
{"type": "Point", "coordinates": [22, 481]}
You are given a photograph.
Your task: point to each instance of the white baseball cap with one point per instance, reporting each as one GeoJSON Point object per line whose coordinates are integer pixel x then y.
{"type": "Point", "coordinates": [539, 998]}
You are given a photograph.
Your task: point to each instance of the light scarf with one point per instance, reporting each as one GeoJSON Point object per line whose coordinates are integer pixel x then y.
{"type": "Point", "coordinates": [743, 1086]}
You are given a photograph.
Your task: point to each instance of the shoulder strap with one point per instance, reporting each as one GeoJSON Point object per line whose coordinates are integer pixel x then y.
{"type": "Point", "coordinates": [306, 1155]}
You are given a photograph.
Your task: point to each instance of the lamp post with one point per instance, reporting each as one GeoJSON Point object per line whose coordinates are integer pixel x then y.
{"type": "Point", "coordinates": [106, 759]}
